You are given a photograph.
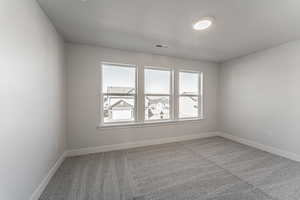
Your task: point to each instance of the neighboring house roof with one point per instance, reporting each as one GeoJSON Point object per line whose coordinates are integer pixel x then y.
{"type": "Point", "coordinates": [120, 90]}
{"type": "Point", "coordinates": [190, 93]}
{"type": "Point", "coordinates": [163, 100]}
{"type": "Point", "coordinates": [121, 105]}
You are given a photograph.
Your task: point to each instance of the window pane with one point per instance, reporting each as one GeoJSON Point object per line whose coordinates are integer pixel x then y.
{"type": "Point", "coordinates": [118, 108]}
{"type": "Point", "coordinates": [157, 81]}
{"type": "Point", "coordinates": [157, 107]}
{"type": "Point", "coordinates": [188, 107]}
{"type": "Point", "coordinates": [118, 79]}
{"type": "Point", "coordinates": [188, 83]}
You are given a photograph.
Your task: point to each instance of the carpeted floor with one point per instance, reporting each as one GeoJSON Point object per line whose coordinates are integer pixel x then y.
{"type": "Point", "coordinates": [205, 169]}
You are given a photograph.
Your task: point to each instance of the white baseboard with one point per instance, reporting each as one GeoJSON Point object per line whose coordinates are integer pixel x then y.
{"type": "Point", "coordinates": [106, 148]}
{"type": "Point", "coordinates": [270, 149]}
{"type": "Point", "coordinates": [39, 190]}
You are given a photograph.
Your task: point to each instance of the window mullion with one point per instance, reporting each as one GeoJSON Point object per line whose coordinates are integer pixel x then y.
{"type": "Point", "coordinates": [140, 95]}
{"type": "Point", "coordinates": [200, 98]}
{"type": "Point", "coordinates": [176, 95]}
{"type": "Point", "coordinates": [172, 99]}
{"type": "Point", "coordinates": [101, 95]}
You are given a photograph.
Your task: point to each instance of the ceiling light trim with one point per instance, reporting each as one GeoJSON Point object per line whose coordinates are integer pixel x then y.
{"type": "Point", "coordinates": [204, 23]}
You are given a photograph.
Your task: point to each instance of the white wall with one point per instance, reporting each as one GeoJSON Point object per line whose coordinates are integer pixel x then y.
{"type": "Point", "coordinates": [32, 116]}
{"type": "Point", "coordinates": [83, 63]}
{"type": "Point", "coordinates": [260, 97]}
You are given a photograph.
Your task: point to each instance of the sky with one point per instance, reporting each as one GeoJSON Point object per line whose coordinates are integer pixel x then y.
{"type": "Point", "coordinates": [117, 77]}
{"type": "Point", "coordinates": [156, 82]}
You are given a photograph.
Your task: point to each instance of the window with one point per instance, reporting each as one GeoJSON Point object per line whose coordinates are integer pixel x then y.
{"type": "Point", "coordinates": [157, 94]}
{"type": "Point", "coordinates": [189, 95]}
{"type": "Point", "coordinates": [157, 99]}
{"type": "Point", "coordinates": [118, 93]}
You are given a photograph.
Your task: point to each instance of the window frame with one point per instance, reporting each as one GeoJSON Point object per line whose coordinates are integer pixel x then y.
{"type": "Point", "coordinates": [199, 96]}
{"type": "Point", "coordinates": [102, 94]}
{"type": "Point", "coordinates": [139, 97]}
{"type": "Point", "coordinates": [170, 95]}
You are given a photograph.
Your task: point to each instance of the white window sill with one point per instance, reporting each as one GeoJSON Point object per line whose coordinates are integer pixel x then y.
{"type": "Point", "coordinates": [147, 124]}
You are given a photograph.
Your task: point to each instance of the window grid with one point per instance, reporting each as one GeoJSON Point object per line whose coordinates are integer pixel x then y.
{"type": "Point", "coordinates": [140, 94]}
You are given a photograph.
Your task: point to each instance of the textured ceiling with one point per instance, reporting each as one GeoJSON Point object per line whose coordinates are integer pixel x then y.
{"type": "Point", "coordinates": [241, 27]}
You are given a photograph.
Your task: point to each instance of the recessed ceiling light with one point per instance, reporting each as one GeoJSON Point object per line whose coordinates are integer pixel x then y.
{"type": "Point", "coordinates": [203, 23]}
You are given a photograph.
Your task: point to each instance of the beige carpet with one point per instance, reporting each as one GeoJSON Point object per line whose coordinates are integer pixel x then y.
{"type": "Point", "coordinates": [206, 169]}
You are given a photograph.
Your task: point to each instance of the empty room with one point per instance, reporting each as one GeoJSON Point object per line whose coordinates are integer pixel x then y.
{"type": "Point", "coordinates": [149, 100]}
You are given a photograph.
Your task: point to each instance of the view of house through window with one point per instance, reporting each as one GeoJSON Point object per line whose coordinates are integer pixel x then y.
{"type": "Point", "coordinates": [120, 99]}
{"type": "Point", "coordinates": [157, 94]}
{"type": "Point", "coordinates": [188, 94]}
{"type": "Point", "coordinates": [119, 92]}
